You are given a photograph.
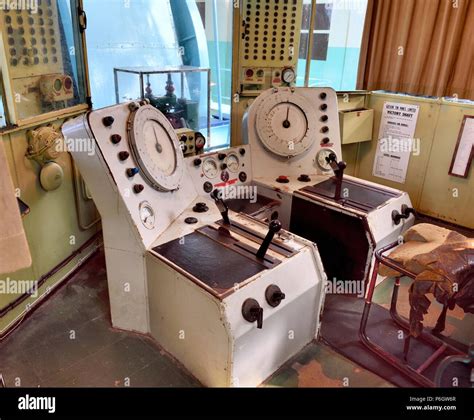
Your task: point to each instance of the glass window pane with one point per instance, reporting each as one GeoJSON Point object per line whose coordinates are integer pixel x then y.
{"type": "Point", "coordinates": [43, 54]}
{"type": "Point", "coordinates": [323, 16]}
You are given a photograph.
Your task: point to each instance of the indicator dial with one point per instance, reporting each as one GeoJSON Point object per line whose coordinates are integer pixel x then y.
{"type": "Point", "coordinates": [210, 168]}
{"type": "Point", "coordinates": [233, 163]}
{"type": "Point", "coordinates": [156, 148]}
{"type": "Point", "coordinates": [282, 124]}
{"type": "Point", "coordinates": [321, 159]}
{"type": "Point", "coordinates": [288, 75]}
{"type": "Point", "coordinates": [147, 215]}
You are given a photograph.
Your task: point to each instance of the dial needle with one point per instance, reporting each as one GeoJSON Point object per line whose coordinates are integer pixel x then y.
{"type": "Point", "coordinates": [158, 145]}
{"type": "Point", "coordinates": [286, 123]}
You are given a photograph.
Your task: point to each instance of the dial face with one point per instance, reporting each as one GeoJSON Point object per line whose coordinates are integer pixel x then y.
{"type": "Point", "coordinates": [282, 124]}
{"type": "Point", "coordinates": [156, 148]}
{"type": "Point", "coordinates": [147, 215]}
{"type": "Point", "coordinates": [200, 141]}
{"type": "Point", "coordinates": [288, 75]}
{"type": "Point", "coordinates": [233, 163]}
{"type": "Point", "coordinates": [321, 159]}
{"type": "Point", "coordinates": [210, 168]}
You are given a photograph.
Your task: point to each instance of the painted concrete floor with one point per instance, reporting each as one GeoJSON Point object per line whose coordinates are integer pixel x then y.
{"type": "Point", "coordinates": [69, 342]}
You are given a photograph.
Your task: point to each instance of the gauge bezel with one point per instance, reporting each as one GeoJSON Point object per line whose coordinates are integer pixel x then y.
{"type": "Point", "coordinates": [150, 207]}
{"type": "Point", "coordinates": [286, 72]}
{"type": "Point", "coordinates": [261, 123]}
{"type": "Point", "coordinates": [214, 161]}
{"type": "Point", "coordinates": [233, 155]}
{"type": "Point", "coordinates": [156, 179]}
{"type": "Point", "coordinates": [318, 155]}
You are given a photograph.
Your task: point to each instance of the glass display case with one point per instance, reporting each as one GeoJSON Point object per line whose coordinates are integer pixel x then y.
{"type": "Point", "coordinates": [181, 93]}
{"type": "Point", "coordinates": [41, 58]}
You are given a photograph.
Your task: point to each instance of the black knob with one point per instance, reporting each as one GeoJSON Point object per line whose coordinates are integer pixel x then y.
{"type": "Point", "coordinates": [197, 162]}
{"type": "Point", "coordinates": [221, 156]}
{"type": "Point", "coordinates": [184, 138]}
{"type": "Point", "coordinates": [274, 295]}
{"type": "Point", "coordinates": [207, 187]}
{"type": "Point", "coordinates": [184, 148]}
{"type": "Point", "coordinates": [138, 188]}
{"type": "Point", "coordinates": [242, 152]}
{"type": "Point", "coordinates": [131, 172]}
{"type": "Point", "coordinates": [273, 228]}
{"type": "Point", "coordinates": [223, 166]}
{"type": "Point", "coordinates": [323, 107]}
{"type": "Point", "coordinates": [253, 312]}
{"type": "Point", "coordinates": [323, 95]}
{"type": "Point", "coordinates": [190, 220]}
{"type": "Point", "coordinates": [325, 140]}
{"type": "Point", "coordinates": [221, 205]}
{"type": "Point", "coordinates": [123, 156]}
{"type": "Point", "coordinates": [304, 178]}
{"type": "Point", "coordinates": [324, 118]}
{"type": "Point", "coordinates": [200, 208]}
{"type": "Point", "coordinates": [324, 129]}
{"type": "Point", "coordinates": [116, 138]}
{"type": "Point", "coordinates": [243, 177]}
{"type": "Point", "coordinates": [108, 121]}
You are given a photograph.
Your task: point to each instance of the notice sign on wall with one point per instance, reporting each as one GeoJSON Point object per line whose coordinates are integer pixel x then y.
{"type": "Point", "coordinates": [464, 152]}
{"type": "Point", "coordinates": [395, 141]}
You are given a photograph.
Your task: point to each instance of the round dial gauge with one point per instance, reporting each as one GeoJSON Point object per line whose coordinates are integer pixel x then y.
{"type": "Point", "coordinates": [210, 168]}
{"type": "Point", "coordinates": [288, 75]}
{"type": "Point", "coordinates": [147, 215]}
{"type": "Point", "coordinates": [156, 148]}
{"type": "Point", "coordinates": [283, 125]}
{"type": "Point", "coordinates": [321, 159]}
{"type": "Point", "coordinates": [200, 141]}
{"type": "Point", "coordinates": [233, 163]}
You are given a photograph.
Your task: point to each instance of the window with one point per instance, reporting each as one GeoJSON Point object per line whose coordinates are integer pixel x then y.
{"type": "Point", "coordinates": [337, 38]}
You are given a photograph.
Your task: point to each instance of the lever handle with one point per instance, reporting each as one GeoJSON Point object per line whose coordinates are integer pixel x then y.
{"type": "Point", "coordinates": [274, 227]}
{"type": "Point", "coordinates": [221, 205]}
{"type": "Point", "coordinates": [408, 210]}
{"type": "Point", "coordinates": [252, 311]}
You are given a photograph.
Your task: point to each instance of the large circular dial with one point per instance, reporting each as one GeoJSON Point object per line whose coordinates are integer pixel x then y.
{"type": "Point", "coordinates": [156, 148]}
{"type": "Point", "coordinates": [283, 125]}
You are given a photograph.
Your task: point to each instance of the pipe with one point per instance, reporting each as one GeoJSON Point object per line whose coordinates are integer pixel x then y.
{"type": "Point", "coordinates": [309, 52]}
{"type": "Point", "coordinates": [218, 59]}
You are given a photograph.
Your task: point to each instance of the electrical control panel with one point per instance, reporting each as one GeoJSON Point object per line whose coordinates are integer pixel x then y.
{"type": "Point", "coordinates": [226, 168]}
{"type": "Point", "coordinates": [38, 71]}
{"type": "Point", "coordinates": [192, 142]}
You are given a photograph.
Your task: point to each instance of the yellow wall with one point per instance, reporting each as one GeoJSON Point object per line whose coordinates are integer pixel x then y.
{"type": "Point", "coordinates": [432, 190]}
{"type": "Point", "coordinates": [51, 226]}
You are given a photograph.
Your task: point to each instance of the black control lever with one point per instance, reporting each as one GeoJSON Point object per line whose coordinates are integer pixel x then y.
{"type": "Point", "coordinates": [274, 227]}
{"type": "Point", "coordinates": [405, 214]}
{"type": "Point", "coordinates": [252, 311]}
{"type": "Point", "coordinates": [221, 205]}
{"type": "Point", "coordinates": [338, 169]}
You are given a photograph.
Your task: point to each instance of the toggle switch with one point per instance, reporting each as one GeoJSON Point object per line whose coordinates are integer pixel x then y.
{"type": "Point", "coordinates": [253, 312]}
{"type": "Point", "coordinates": [274, 295]}
{"type": "Point", "coordinates": [131, 172]}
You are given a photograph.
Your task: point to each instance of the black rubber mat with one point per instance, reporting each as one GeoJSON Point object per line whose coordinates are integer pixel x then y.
{"type": "Point", "coordinates": [340, 329]}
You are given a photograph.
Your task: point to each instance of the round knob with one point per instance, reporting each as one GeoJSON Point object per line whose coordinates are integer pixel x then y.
{"type": "Point", "coordinates": [243, 177]}
{"type": "Point", "coordinates": [324, 129]}
{"type": "Point", "coordinates": [221, 156]}
{"type": "Point", "coordinates": [304, 178]}
{"type": "Point", "coordinates": [323, 107]}
{"type": "Point", "coordinates": [108, 121]}
{"type": "Point", "coordinates": [138, 188]}
{"type": "Point", "coordinates": [200, 208]}
{"type": "Point", "coordinates": [116, 138]}
{"type": "Point", "coordinates": [252, 312]}
{"type": "Point", "coordinates": [283, 179]}
{"type": "Point", "coordinates": [324, 118]}
{"type": "Point", "coordinates": [325, 140]}
{"type": "Point", "coordinates": [123, 156]}
{"type": "Point", "coordinates": [242, 152]}
{"type": "Point", "coordinates": [275, 226]}
{"type": "Point", "coordinates": [323, 95]}
{"type": "Point", "coordinates": [274, 295]}
{"type": "Point", "coordinates": [224, 166]}
{"type": "Point", "coordinates": [197, 162]}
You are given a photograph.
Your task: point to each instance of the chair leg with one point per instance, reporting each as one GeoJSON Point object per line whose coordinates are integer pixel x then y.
{"type": "Point", "coordinates": [441, 323]}
{"type": "Point", "coordinates": [406, 347]}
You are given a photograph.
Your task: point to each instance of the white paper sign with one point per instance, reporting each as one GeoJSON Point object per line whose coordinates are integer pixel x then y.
{"type": "Point", "coordinates": [395, 141]}
{"type": "Point", "coordinates": [464, 151]}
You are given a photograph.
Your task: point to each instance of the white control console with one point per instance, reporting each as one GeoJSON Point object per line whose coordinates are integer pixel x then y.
{"type": "Point", "coordinates": [231, 297]}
